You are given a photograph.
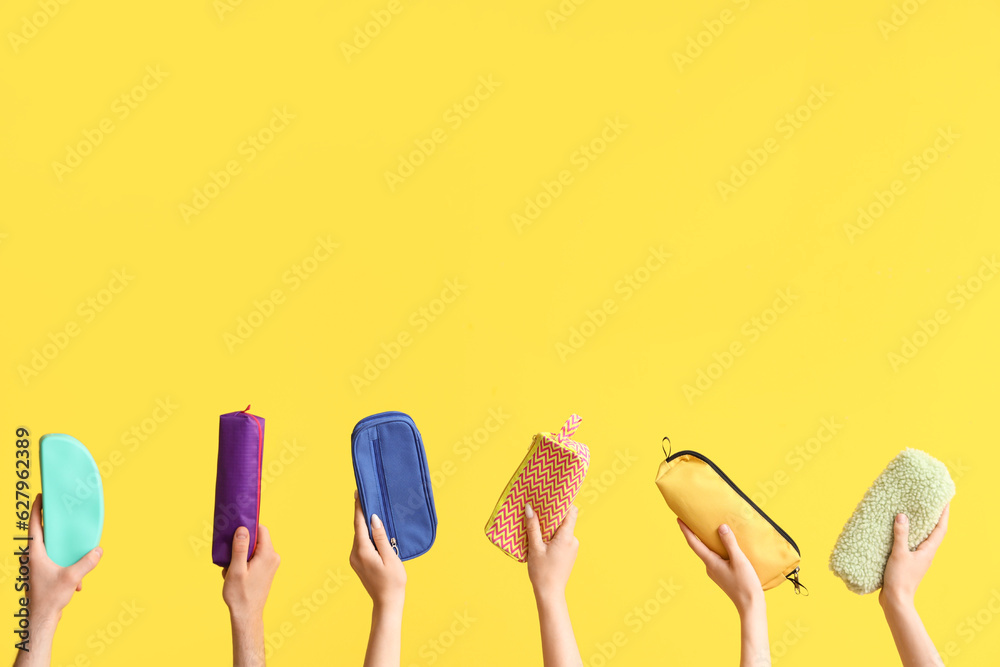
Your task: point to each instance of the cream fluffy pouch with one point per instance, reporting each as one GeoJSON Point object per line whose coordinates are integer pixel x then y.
{"type": "Point", "coordinates": [915, 484]}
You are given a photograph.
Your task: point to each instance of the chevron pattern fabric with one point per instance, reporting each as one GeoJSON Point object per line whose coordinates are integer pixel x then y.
{"type": "Point", "coordinates": [549, 478]}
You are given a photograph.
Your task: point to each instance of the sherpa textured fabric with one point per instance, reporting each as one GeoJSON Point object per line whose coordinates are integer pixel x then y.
{"type": "Point", "coordinates": [915, 484]}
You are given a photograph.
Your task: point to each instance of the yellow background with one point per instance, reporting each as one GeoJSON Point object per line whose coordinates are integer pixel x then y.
{"type": "Point", "coordinates": [495, 347]}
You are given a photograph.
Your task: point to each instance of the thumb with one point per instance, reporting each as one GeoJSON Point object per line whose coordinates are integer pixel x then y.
{"type": "Point", "coordinates": [901, 534]}
{"type": "Point", "coordinates": [82, 567]}
{"type": "Point", "coordinates": [35, 531]}
{"type": "Point", "coordinates": [729, 541]}
{"type": "Point", "coordinates": [241, 548]}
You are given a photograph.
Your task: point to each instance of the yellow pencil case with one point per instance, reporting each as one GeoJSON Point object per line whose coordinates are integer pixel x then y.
{"type": "Point", "coordinates": [705, 498]}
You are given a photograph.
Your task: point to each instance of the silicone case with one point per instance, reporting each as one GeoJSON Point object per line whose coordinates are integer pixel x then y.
{"type": "Point", "coordinates": [72, 498]}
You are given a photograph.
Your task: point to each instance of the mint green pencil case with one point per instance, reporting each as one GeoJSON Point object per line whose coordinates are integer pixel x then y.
{"type": "Point", "coordinates": [72, 498]}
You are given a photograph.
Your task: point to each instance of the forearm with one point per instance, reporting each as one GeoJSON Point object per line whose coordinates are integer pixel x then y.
{"type": "Point", "coordinates": [41, 633]}
{"type": "Point", "coordinates": [559, 647]}
{"type": "Point", "coordinates": [248, 640]}
{"type": "Point", "coordinates": [755, 650]}
{"type": "Point", "coordinates": [912, 641]}
{"type": "Point", "coordinates": [385, 640]}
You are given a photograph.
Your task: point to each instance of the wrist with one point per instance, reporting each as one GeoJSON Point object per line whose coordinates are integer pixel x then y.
{"type": "Point", "coordinates": [42, 627]}
{"type": "Point", "coordinates": [752, 606]}
{"type": "Point", "coordinates": [389, 607]}
{"type": "Point", "coordinates": [242, 617]}
{"type": "Point", "coordinates": [549, 595]}
{"type": "Point", "coordinates": [893, 601]}
{"type": "Point", "coordinates": [43, 619]}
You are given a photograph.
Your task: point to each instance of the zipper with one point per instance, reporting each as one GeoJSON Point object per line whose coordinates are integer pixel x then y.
{"type": "Point", "coordinates": [384, 492]}
{"type": "Point", "coordinates": [793, 577]}
{"type": "Point", "coordinates": [751, 503]}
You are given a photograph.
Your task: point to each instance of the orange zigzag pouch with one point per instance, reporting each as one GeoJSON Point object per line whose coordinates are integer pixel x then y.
{"type": "Point", "coordinates": [549, 478]}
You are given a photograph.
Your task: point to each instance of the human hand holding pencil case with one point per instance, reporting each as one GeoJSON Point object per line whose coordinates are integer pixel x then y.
{"type": "Point", "coordinates": [72, 498]}
{"type": "Point", "coordinates": [548, 479]}
{"type": "Point", "coordinates": [704, 498]}
{"type": "Point", "coordinates": [915, 484]}
{"type": "Point", "coordinates": [237, 482]}
{"type": "Point", "coordinates": [394, 482]}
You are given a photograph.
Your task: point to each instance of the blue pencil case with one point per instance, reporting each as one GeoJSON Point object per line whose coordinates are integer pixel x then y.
{"type": "Point", "coordinates": [390, 468]}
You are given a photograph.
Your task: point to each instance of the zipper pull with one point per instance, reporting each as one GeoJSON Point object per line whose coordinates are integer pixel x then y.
{"type": "Point", "coordinates": [794, 578]}
{"type": "Point", "coordinates": [392, 541]}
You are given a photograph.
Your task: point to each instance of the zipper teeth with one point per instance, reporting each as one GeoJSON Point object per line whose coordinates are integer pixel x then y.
{"type": "Point", "coordinates": [383, 491]}
{"type": "Point", "coordinates": [742, 495]}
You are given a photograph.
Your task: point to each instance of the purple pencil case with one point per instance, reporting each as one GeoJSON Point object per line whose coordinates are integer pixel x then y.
{"type": "Point", "coordinates": [237, 482]}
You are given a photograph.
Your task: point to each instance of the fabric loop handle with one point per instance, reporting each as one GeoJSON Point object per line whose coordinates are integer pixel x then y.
{"type": "Point", "coordinates": [569, 428]}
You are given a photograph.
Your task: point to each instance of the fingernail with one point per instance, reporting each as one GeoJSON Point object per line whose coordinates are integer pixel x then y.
{"type": "Point", "coordinates": [377, 522]}
{"type": "Point", "coordinates": [723, 529]}
{"type": "Point", "coordinates": [242, 534]}
{"type": "Point", "coordinates": [901, 519]}
{"type": "Point", "coordinates": [528, 512]}
{"type": "Point", "coordinates": [355, 494]}
{"type": "Point", "coordinates": [100, 551]}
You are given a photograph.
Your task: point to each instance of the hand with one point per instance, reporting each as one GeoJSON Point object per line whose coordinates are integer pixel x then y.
{"type": "Point", "coordinates": [381, 572]}
{"type": "Point", "coordinates": [52, 586]}
{"type": "Point", "coordinates": [735, 575]}
{"type": "Point", "coordinates": [905, 568]}
{"type": "Point", "coordinates": [550, 563]}
{"type": "Point", "coordinates": [248, 583]}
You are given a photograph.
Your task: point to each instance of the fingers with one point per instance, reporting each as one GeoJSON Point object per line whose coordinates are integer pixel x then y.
{"type": "Point", "coordinates": [264, 543]}
{"type": "Point", "coordinates": [360, 525]}
{"type": "Point", "coordinates": [729, 541]}
{"type": "Point", "coordinates": [933, 541]}
{"type": "Point", "coordinates": [264, 552]}
{"type": "Point", "coordinates": [241, 547]}
{"type": "Point", "coordinates": [35, 525]}
{"type": "Point", "coordinates": [900, 534]}
{"type": "Point", "coordinates": [533, 529]}
{"type": "Point", "coordinates": [381, 539]}
{"type": "Point", "coordinates": [82, 567]}
{"type": "Point", "coordinates": [564, 532]}
{"type": "Point", "coordinates": [704, 553]}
